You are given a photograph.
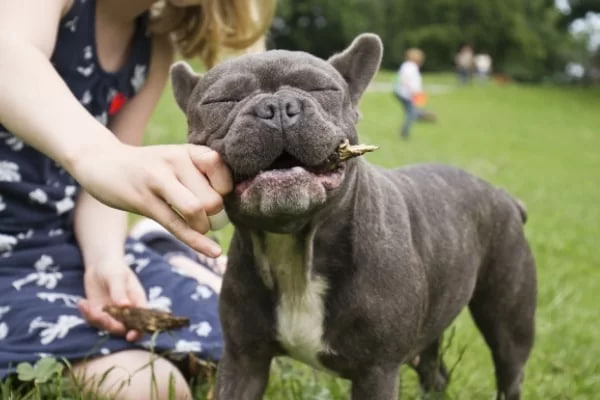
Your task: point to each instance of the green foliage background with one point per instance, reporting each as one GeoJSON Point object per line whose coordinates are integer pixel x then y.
{"type": "Point", "coordinates": [527, 40]}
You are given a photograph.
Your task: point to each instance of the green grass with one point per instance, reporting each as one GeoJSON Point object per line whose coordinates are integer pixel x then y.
{"type": "Point", "coordinates": [543, 145]}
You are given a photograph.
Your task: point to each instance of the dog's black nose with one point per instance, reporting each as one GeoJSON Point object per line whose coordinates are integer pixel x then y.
{"type": "Point", "coordinates": [291, 111]}
{"type": "Point", "coordinates": [267, 109]}
{"type": "Point", "coordinates": [279, 112]}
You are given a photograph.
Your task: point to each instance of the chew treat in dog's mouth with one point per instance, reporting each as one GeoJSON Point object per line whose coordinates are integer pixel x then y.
{"type": "Point", "coordinates": [145, 319]}
{"type": "Point", "coordinates": [346, 151]}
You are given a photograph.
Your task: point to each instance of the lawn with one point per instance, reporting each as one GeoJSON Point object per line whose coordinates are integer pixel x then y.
{"type": "Point", "coordinates": [542, 144]}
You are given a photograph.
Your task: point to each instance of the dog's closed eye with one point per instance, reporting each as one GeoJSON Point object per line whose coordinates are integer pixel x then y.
{"type": "Point", "coordinates": [219, 101]}
{"type": "Point", "coordinates": [325, 89]}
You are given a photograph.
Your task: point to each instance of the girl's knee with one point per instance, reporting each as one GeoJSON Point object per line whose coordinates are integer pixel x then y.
{"type": "Point", "coordinates": [131, 375]}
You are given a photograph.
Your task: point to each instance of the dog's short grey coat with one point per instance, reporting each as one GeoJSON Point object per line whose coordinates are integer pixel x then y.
{"type": "Point", "coordinates": [356, 271]}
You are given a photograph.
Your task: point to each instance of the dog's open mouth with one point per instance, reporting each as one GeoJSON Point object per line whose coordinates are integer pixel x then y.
{"type": "Point", "coordinates": [287, 171]}
{"type": "Point", "coordinates": [288, 188]}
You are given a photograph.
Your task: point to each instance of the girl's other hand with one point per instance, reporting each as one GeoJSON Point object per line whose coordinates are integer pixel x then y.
{"type": "Point", "coordinates": [111, 284]}
{"type": "Point", "coordinates": [176, 185]}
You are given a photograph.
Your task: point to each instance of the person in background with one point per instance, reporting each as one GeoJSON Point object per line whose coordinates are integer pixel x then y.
{"type": "Point", "coordinates": [464, 64]}
{"type": "Point", "coordinates": [483, 66]}
{"type": "Point", "coordinates": [79, 80]}
{"type": "Point", "coordinates": [408, 88]}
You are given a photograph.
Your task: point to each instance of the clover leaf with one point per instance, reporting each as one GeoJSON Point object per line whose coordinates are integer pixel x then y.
{"type": "Point", "coordinates": [43, 370]}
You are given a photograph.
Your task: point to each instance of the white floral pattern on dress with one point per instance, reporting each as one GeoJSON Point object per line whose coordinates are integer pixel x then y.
{"type": "Point", "coordinates": [137, 263]}
{"type": "Point", "coordinates": [38, 196]}
{"type": "Point", "coordinates": [25, 235]}
{"type": "Point", "coordinates": [187, 346]}
{"type": "Point", "coordinates": [86, 98]}
{"type": "Point", "coordinates": [47, 274]}
{"type": "Point", "coordinates": [55, 232]}
{"type": "Point", "coordinates": [102, 118]}
{"type": "Point", "coordinates": [9, 172]}
{"type": "Point", "coordinates": [7, 242]}
{"type": "Point", "coordinates": [52, 331]}
{"type": "Point", "coordinates": [3, 326]}
{"type": "Point", "coordinates": [202, 292]}
{"type": "Point", "coordinates": [158, 302]}
{"type": "Point", "coordinates": [86, 71]}
{"type": "Point", "coordinates": [15, 143]}
{"type": "Point", "coordinates": [138, 78]}
{"type": "Point", "coordinates": [69, 300]}
{"type": "Point", "coordinates": [202, 329]}
{"type": "Point", "coordinates": [138, 247]}
{"type": "Point", "coordinates": [3, 330]}
{"type": "Point", "coordinates": [67, 203]}
{"type": "Point", "coordinates": [2, 204]}
{"type": "Point", "coordinates": [87, 52]}
{"type": "Point", "coordinates": [71, 24]}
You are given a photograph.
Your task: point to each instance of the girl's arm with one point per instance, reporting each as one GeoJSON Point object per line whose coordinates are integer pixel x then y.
{"type": "Point", "coordinates": [37, 105]}
{"type": "Point", "coordinates": [101, 230]}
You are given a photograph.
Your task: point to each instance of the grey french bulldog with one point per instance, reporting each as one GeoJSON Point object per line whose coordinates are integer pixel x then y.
{"type": "Point", "coordinates": [348, 267]}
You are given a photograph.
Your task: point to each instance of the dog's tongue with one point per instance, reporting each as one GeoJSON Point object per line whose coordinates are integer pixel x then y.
{"type": "Point", "coordinates": [292, 191]}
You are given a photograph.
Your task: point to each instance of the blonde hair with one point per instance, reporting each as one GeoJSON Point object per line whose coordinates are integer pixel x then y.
{"type": "Point", "coordinates": [207, 29]}
{"type": "Point", "coordinates": [415, 55]}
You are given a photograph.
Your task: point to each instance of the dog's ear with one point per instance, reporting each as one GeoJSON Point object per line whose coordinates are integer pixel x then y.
{"type": "Point", "coordinates": [359, 63]}
{"type": "Point", "coordinates": [184, 80]}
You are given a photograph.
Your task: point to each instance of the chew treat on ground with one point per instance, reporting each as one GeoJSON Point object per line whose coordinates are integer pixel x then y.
{"type": "Point", "coordinates": [145, 319]}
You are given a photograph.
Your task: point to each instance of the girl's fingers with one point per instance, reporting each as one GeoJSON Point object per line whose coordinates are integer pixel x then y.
{"type": "Point", "coordinates": [186, 203]}
{"type": "Point", "coordinates": [117, 288]}
{"type": "Point", "coordinates": [137, 296]}
{"type": "Point", "coordinates": [99, 319]}
{"type": "Point", "coordinates": [168, 218]}
{"type": "Point", "coordinates": [210, 200]}
{"type": "Point", "coordinates": [210, 163]}
{"type": "Point", "coordinates": [103, 321]}
{"type": "Point", "coordinates": [133, 336]}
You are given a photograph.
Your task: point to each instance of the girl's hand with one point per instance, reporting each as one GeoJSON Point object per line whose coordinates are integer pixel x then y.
{"type": "Point", "coordinates": [176, 185]}
{"type": "Point", "coordinates": [111, 284]}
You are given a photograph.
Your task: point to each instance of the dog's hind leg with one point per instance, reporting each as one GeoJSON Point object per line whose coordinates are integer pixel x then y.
{"type": "Point", "coordinates": [433, 375]}
{"type": "Point", "coordinates": [503, 307]}
{"type": "Point", "coordinates": [376, 383]}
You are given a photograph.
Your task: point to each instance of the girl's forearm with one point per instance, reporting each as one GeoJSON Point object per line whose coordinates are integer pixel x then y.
{"type": "Point", "coordinates": [100, 231]}
{"type": "Point", "coordinates": [36, 105]}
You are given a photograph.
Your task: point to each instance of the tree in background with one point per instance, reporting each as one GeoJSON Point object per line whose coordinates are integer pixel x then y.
{"type": "Point", "coordinates": [524, 37]}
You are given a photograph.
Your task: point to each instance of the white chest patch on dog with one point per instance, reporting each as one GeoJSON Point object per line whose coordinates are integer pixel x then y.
{"type": "Point", "coordinates": [285, 263]}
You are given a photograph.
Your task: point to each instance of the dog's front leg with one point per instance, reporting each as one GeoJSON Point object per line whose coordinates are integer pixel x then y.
{"type": "Point", "coordinates": [242, 377]}
{"type": "Point", "coordinates": [376, 383]}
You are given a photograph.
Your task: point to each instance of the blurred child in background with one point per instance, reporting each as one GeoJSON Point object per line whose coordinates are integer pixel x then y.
{"type": "Point", "coordinates": [408, 88]}
{"type": "Point", "coordinates": [464, 64]}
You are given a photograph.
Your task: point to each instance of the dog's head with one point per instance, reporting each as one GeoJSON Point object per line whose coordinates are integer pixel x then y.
{"type": "Point", "coordinates": [276, 118]}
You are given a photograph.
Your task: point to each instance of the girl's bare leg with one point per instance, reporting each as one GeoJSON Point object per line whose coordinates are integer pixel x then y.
{"type": "Point", "coordinates": [131, 376]}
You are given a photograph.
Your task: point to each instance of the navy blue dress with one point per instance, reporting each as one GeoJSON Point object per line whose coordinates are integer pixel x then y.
{"type": "Point", "coordinates": [41, 267]}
